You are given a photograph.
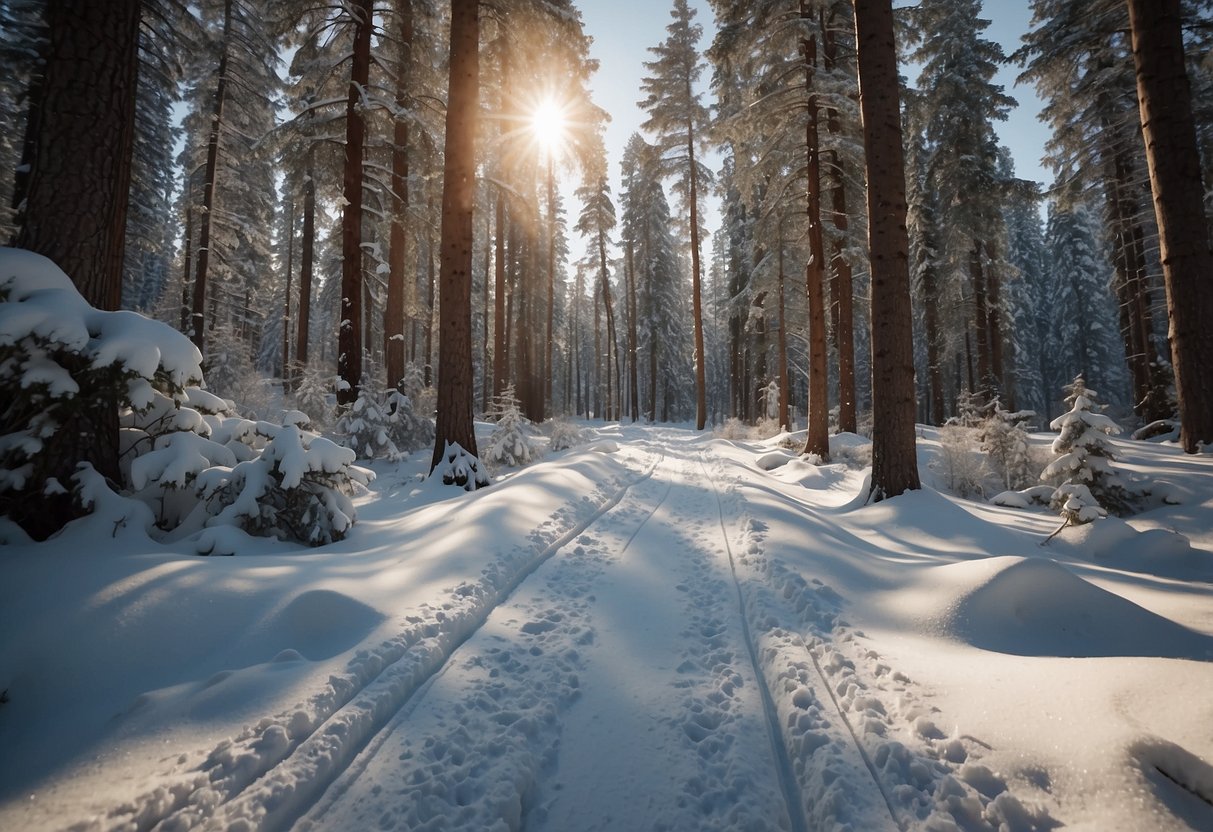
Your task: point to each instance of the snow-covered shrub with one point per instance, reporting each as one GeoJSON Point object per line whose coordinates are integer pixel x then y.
{"type": "Point", "coordinates": [1004, 440]}
{"type": "Point", "coordinates": [65, 371]}
{"type": "Point", "coordinates": [296, 488]}
{"type": "Point", "coordinates": [313, 394]}
{"type": "Point", "coordinates": [198, 465]}
{"type": "Point", "coordinates": [511, 444]}
{"type": "Point", "coordinates": [734, 429]}
{"type": "Point", "coordinates": [1084, 458]}
{"type": "Point", "coordinates": [383, 425]}
{"type": "Point", "coordinates": [961, 464]}
{"type": "Point", "coordinates": [563, 434]}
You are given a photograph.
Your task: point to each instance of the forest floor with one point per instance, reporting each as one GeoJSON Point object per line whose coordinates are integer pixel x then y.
{"type": "Point", "coordinates": [655, 630]}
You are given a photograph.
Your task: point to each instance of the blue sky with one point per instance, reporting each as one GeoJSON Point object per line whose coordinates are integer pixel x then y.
{"type": "Point", "coordinates": [624, 29]}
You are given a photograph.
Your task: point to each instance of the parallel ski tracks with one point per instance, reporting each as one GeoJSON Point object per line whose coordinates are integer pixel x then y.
{"type": "Point", "coordinates": [274, 790]}
{"type": "Point", "coordinates": [791, 786]}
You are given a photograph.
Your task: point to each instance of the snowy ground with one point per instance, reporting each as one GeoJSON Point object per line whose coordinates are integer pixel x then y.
{"type": "Point", "coordinates": [657, 630]}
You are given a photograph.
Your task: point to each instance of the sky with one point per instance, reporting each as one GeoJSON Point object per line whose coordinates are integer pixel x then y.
{"type": "Point", "coordinates": [623, 30]}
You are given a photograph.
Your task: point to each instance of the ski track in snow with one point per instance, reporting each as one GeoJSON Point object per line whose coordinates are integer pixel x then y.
{"type": "Point", "coordinates": [866, 752]}
{"type": "Point", "coordinates": [275, 769]}
{"type": "Point", "coordinates": [746, 702]}
{"type": "Point", "coordinates": [480, 747]}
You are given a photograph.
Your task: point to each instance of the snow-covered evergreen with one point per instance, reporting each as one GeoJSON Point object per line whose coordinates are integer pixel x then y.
{"type": "Point", "coordinates": [1087, 484]}
{"type": "Point", "coordinates": [512, 444]}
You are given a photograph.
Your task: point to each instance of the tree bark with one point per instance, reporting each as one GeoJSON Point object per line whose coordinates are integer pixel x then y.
{"type": "Point", "coordinates": [349, 337]}
{"type": "Point", "coordinates": [633, 370]}
{"type": "Point", "coordinates": [286, 305]}
{"type": "Point", "coordinates": [701, 384]}
{"type": "Point", "coordinates": [393, 315]}
{"type": "Point", "coordinates": [1165, 101]}
{"type": "Point", "coordinates": [454, 429]}
{"type": "Point", "coordinates": [80, 142]}
{"type": "Point", "coordinates": [817, 440]}
{"type": "Point", "coordinates": [841, 288]}
{"type": "Point", "coordinates": [307, 257]}
{"type": "Point", "coordinates": [500, 368]}
{"type": "Point", "coordinates": [894, 459]}
{"type": "Point", "coordinates": [208, 188]}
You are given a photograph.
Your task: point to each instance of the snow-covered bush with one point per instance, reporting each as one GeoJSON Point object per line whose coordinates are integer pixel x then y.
{"type": "Point", "coordinates": [1084, 458]}
{"type": "Point", "coordinates": [202, 466]}
{"type": "Point", "coordinates": [968, 411]}
{"type": "Point", "coordinates": [511, 444]}
{"type": "Point", "coordinates": [186, 460]}
{"type": "Point", "coordinates": [563, 434]}
{"type": "Point", "coordinates": [65, 370]}
{"type": "Point", "coordinates": [383, 425]}
{"type": "Point", "coordinates": [296, 488]}
{"type": "Point", "coordinates": [734, 429]}
{"type": "Point", "coordinates": [1004, 440]}
{"type": "Point", "coordinates": [961, 465]}
{"type": "Point", "coordinates": [313, 394]}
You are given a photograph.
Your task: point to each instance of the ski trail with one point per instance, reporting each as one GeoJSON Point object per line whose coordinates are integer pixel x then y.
{"type": "Point", "coordinates": [787, 779]}
{"type": "Point", "coordinates": [606, 693]}
{"type": "Point", "coordinates": [829, 773]}
{"type": "Point", "coordinates": [284, 762]}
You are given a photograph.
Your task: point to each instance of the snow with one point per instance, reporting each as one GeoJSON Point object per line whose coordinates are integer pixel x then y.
{"type": "Point", "coordinates": [657, 629]}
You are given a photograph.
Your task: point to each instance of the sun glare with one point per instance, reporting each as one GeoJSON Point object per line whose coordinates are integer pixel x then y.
{"type": "Point", "coordinates": [549, 125]}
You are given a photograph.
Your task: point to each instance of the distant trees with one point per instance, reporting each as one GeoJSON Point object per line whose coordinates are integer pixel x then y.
{"type": "Point", "coordinates": [679, 119]}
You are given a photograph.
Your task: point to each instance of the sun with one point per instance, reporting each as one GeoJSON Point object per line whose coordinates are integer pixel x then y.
{"type": "Point", "coordinates": [549, 125]}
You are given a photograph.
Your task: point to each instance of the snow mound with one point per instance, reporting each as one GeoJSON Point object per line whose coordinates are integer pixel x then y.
{"type": "Point", "coordinates": [1180, 779]}
{"type": "Point", "coordinates": [321, 623]}
{"type": "Point", "coordinates": [1034, 607]}
{"type": "Point", "coordinates": [604, 446]}
{"type": "Point", "coordinates": [774, 459]}
{"type": "Point", "coordinates": [1114, 542]}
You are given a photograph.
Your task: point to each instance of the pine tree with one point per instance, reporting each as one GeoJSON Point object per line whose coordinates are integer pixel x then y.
{"type": "Point", "coordinates": [1089, 485]}
{"type": "Point", "coordinates": [679, 120]}
{"type": "Point", "coordinates": [1174, 160]}
{"type": "Point", "coordinates": [454, 458]}
{"type": "Point", "coordinates": [894, 459]}
{"type": "Point", "coordinates": [960, 105]}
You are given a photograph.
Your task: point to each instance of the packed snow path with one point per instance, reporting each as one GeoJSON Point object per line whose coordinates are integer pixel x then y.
{"type": "Point", "coordinates": [613, 690]}
{"type": "Point", "coordinates": [658, 630]}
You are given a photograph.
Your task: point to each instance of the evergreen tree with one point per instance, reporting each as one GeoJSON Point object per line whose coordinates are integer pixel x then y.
{"type": "Point", "coordinates": [679, 120]}
{"type": "Point", "coordinates": [960, 104]}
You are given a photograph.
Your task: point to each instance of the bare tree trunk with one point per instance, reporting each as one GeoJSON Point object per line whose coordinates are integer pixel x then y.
{"type": "Point", "coordinates": [817, 440]}
{"type": "Point", "coordinates": [80, 146]}
{"type": "Point", "coordinates": [841, 290]}
{"type": "Point", "coordinates": [633, 370]}
{"type": "Point", "coordinates": [981, 317]}
{"type": "Point", "coordinates": [785, 420]}
{"type": "Point", "coordinates": [454, 430]}
{"type": "Point", "coordinates": [500, 368]}
{"type": "Point", "coordinates": [208, 187]}
{"type": "Point", "coordinates": [701, 384]}
{"type": "Point", "coordinates": [286, 306]}
{"type": "Point", "coordinates": [307, 247]}
{"type": "Point", "coordinates": [187, 245]}
{"type": "Point", "coordinates": [393, 317]}
{"type": "Point", "coordinates": [431, 281]}
{"type": "Point", "coordinates": [349, 337]}
{"type": "Point", "coordinates": [894, 459]}
{"type": "Point", "coordinates": [486, 364]}
{"type": "Point", "coordinates": [994, 321]}
{"type": "Point", "coordinates": [545, 378]}
{"type": "Point", "coordinates": [1165, 99]}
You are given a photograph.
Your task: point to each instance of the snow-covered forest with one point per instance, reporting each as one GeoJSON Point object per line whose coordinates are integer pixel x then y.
{"type": "Point", "coordinates": [380, 448]}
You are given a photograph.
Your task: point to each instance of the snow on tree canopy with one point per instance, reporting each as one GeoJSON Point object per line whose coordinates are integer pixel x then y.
{"type": "Point", "coordinates": [40, 304]}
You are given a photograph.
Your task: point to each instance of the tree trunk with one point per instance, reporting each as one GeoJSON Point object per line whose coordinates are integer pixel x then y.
{"type": "Point", "coordinates": [981, 330]}
{"type": "Point", "coordinates": [208, 188]}
{"type": "Point", "coordinates": [785, 421]}
{"type": "Point", "coordinates": [307, 257]}
{"type": "Point", "coordinates": [393, 315]}
{"type": "Point", "coordinates": [500, 368]}
{"type": "Point", "coordinates": [431, 280]}
{"type": "Point", "coordinates": [486, 362]}
{"type": "Point", "coordinates": [841, 288]}
{"type": "Point", "coordinates": [286, 305]}
{"type": "Point", "coordinates": [633, 370]}
{"type": "Point", "coordinates": [1164, 97]}
{"type": "Point", "coordinates": [817, 440]}
{"type": "Point", "coordinates": [994, 322]}
{"type": "Point", "coordinates": [701, 384]}
{"type": "Point", "coordinates": [545, 378]}
{"type": "Point", "coordinates": [454, 430]}
{"type": "Point", "coordinates": [349, 337]}
{"type": "Point", "coordinates": [894, 459]}
{"type": "Point", "coordinates": [187, 245]}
